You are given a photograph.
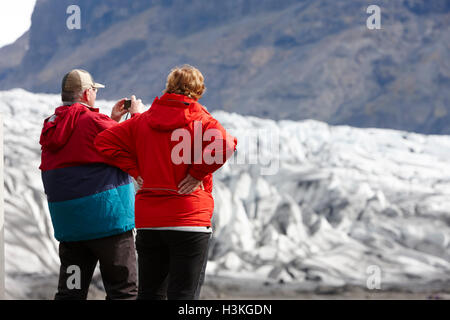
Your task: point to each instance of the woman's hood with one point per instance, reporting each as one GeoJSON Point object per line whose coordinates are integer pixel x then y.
{"type": "Point", "coordinates": [173, 111]}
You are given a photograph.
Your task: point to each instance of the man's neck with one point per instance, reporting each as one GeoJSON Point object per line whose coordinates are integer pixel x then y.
{"type": "Point", "coordinates": [69, 103]}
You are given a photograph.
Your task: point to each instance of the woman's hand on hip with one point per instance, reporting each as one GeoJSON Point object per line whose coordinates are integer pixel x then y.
{"type": "Point", "coordinates": [140, 182]}
{"type": "Point", "coordinates": [189, 185]}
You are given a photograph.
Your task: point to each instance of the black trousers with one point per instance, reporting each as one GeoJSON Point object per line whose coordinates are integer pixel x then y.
{"type": "Point", "coordinates": [117, 258]}
{"type": "Point", "coordinates": [171, 264]}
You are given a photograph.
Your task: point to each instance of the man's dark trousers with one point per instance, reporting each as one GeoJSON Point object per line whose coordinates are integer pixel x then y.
{"type": "Point", "coordinates": [117, 257]}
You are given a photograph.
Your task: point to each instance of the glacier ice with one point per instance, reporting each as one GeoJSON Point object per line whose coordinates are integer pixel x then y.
{"type": "Point", "coordinates": [341, 199]}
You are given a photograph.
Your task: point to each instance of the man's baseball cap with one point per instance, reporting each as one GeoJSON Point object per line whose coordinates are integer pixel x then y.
{"type": "Point", "coordinates": [79, 80]}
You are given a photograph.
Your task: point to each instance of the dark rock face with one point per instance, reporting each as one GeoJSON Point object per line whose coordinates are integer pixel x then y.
{"type": "Point", "coordinates": [278, 59]}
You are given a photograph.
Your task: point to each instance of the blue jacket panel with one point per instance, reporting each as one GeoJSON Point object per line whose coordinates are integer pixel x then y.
{"type": "Point", "coordinates": [96, 216]}
{"type": "Point", "coordinates": [89, 202]}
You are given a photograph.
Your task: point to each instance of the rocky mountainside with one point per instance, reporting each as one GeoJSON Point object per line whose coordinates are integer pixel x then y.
{"type": "Point", "coordinates": [290, 59]}
{"type": "Point", "coordinates": [304, 204]}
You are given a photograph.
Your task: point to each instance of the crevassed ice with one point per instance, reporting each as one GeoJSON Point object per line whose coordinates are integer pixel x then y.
{"type": "Point", "coordinates": [340, 200]}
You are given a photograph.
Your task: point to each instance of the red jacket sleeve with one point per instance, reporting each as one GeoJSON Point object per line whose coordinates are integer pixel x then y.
{"type": "Point", "coordinates": [117, 145]}
{"type": "Point", "coordinates": [103, 122]}
{"type": "Point", "coordinates": [217, 147]}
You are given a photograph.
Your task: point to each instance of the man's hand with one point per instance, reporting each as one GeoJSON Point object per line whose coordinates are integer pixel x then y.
{"type": "Point", "coordinates": [118, 110]}
{"type": "Point", "coordinates": [136, 105]}
{"type": "Point", "coordinates": [189, 184]}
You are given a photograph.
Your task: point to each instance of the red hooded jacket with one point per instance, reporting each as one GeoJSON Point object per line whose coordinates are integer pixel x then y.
{"type": "Point", "coordinates": [149, 145]}
{"type": "Point", "coordinates": [87, 198]}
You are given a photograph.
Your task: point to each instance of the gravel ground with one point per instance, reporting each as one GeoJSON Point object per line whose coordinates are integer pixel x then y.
{"type": "Point", "coordinates": [37, 287]}
{"type": "Point", "coordinates": [216, 288]}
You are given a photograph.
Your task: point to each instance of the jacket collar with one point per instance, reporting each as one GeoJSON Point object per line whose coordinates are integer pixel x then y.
{"type": "Point", "coordinates": [69, 103]}
{"type": "Point", "coordinates": [177, 97]}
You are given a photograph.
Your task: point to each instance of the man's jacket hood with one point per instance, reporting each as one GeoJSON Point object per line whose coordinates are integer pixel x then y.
{"type": "Point", "coordinates": [59, 127]}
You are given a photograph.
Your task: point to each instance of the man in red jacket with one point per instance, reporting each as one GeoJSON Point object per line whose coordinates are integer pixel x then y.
{"type": "Point", "coordinates": [175, 147]}
{"type": "Point", "coordinates": [91, 203]}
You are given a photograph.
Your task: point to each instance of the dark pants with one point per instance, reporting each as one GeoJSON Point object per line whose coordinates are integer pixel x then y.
{"type": "Point", "coordinates": [117, 258]}
{"type": "Point", "coordinates": [171, 264]}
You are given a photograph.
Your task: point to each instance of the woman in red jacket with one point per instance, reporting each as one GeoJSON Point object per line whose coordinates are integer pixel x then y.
{"type": "Point", "coordinates": [173, 149]}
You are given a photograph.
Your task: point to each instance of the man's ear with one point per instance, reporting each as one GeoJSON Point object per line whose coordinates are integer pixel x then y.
{"type": "Point", "coordinates": [84, 96]}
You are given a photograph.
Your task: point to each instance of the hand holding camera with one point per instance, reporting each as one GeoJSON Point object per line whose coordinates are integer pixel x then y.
{"type": "Point", "coordinates": [134, 106]}
{"type": "Point", "coordinates": [124, 106]}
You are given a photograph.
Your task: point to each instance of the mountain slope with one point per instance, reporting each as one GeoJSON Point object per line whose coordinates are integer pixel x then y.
{"type": "Point", "coordinates": [285, 59]}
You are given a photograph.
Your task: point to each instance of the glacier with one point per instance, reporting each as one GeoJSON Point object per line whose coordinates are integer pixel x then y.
{"type": "Point", "coordinates": [337, 203]}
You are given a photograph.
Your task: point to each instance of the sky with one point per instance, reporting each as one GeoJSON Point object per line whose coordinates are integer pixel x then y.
{"type": "Point", "coordinates": [15, 19]}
